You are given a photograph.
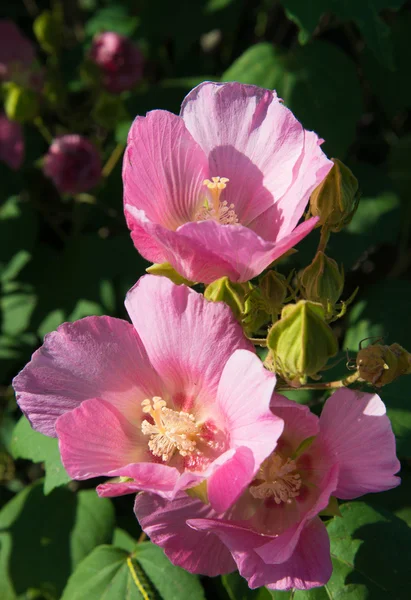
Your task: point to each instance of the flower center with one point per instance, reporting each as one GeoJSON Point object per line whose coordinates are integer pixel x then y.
{"type": "Point", "coordinates": [277, 478]}
{"type": "Point", "coordinates": [171, 430]}
{"type": "Point", "coordinates": [218, 211]}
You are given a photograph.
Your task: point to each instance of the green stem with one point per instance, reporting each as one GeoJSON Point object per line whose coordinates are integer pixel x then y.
{"type": "Point", "coordinates": [325, 236]}
{"type": "Point", "coordinates": [39, 123]}
{"type": "Point", "coordinates": [258, 341]}
{"type": "Point", "coordinates": [113, 160]}
{"type": "Point", "coordinates": [330, 385]}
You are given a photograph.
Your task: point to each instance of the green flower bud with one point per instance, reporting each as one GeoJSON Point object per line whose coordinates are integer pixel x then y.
{"type": "Point", "coordinates": [322, 281]}
{"type": "Point", "coordinates": [256, 313]}
{"type": "Point", "coordinates": [166, 270]}
{"type": "Point", "coordinates": [301, 342]}
{"type": "Point", "coordinates": [274, 288]}
{"type": "Point", "coordinates": [20, 104]}
{"type": "Point", "coordinates": [48, 30]}
{"type": "Point", "coordinates": [380, 365]}
{"type": "Point", "coordinates": [335, 200]}
{"type": "Point", "coordinates": [233, 294]}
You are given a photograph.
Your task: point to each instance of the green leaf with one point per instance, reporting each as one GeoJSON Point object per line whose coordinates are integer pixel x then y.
{"type": "Point", "coordinates": [391, 86]}
{"type": "Point", "coordinates": [237, 588]}
{"type": "Point", "coordinates": [364, 14]}
{"type": "Point", "coordinates": [113, 573]}
{"type": "Point", "coordinates": [27, 443]}
{"type": "Point", "coordinates": [94, 525]}
{"type": "Point", "coordinates": [377, 220]}
{"type": "Point", "coordinates": [18, 233]}
{"type": "Point", "coordinates": [43, 537]}
{"type": "Point", "coordinates": [371, 553]}
{"type": "Point", "coordinates": [313, 83]}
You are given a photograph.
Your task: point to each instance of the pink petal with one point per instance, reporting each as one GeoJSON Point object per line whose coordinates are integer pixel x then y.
{"type": "Point", "coordinates": [250, 137]}
{"type": "Point", "coordinates": [240, 247]}
{"type": "Point", "coordinates": [95, 439]}
{"type": "Point", "coordinates": [96, 357]}
{"type": "Point", "coordinates": [151, 477]}
{"type": "Point", "coordinates": [358, 435]}
{"type": "Point", "coordinates": [308, 566]}
{"type": "Point", "coordinates": [189, 258]}
{"type": "Point", "coordinates": [299, 422]}
{"type": "Point", "coordinates": [187, 338]}
{"type": "Point", "coordinates": [244, 394]}
{"type": "Point", "coordinates": [11, 143]}
{"type": "Point", "coordinates": [313, 168]}
{"type": "Point", "coordinates": [165, 524]}
{"type": "Point", "coordinates": [281, 548]}
{"type": "Point", "coordinates": [163, 169]}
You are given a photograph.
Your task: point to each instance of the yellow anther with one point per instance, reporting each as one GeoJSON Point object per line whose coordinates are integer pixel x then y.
{"type": "Point", "coordinates": [171, 430]}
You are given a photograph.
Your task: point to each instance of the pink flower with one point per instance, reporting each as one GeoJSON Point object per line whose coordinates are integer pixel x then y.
{"type": "Point", "coordinates": [273, 532]}
{"type": "Point", "coordinates": [73, 164]}
{"type": "Point", "coordinates": [11, 142]}
{"type": "Point", "coordinates": [16, 51]}
{"type": "Point", "coordinates": [119, 59]}
{"type": "Point", "coordinates": [219, 190]}
{"type": "Point", "coordinates": [165, 403]}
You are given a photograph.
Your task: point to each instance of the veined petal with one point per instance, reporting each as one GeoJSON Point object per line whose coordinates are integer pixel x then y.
{"type": "Point", "coordinates": [96, 439]}
{"type": "Point", "coordinates": [243, 398]}
{"type": "Point", "coordinates": [165, 524]}
{"type": "Point", "coordinates": [246, 252]}
{"type": "Point", "coordinates": [250, 137]}
{"type": "Point", "coordinates": [95, 357]}
{"type": "Point", "coordinates": [163, 169]}
{"type": "Point", "coordinates": [357, 433]}
{"type": "Point", "coordinates": [188, 257]}
{"type": "Point", "coordinates": [187, 338]}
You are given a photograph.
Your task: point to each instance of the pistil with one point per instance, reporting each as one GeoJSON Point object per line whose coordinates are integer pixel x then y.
{"type": "Point", "coordinates": [278, 479]}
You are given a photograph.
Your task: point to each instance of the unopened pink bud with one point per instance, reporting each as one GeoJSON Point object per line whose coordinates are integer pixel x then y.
{"type": "Point", "coordinates": [11, 142]}
{"type": "Point", "coordinates": [73, 163]}
{"type": "Point", "coordinates": [120, 60]}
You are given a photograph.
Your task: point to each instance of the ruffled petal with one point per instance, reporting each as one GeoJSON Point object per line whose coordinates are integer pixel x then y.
{"type": "Point", "coordinates": [357, 434]}
{"type": "Point", "coordinates": [165, 524]}
{"type": "Point", "coordinates": [244, 394]}
{"type": "Point", "coordinates": [150, 477]}
{"type": "Point", "coordinates": [188, 257]}
{"type": "Point", "coordinates": [95, 439]}
{"type": "Point", "coordinates": [309, 173]}
{"type": "Point", "coordinates": [187, 338]}
{"type": "Point", "coordinates": [250, 137]}
{"type": "Point", "coordinates": [95, 357]}
{"type": "Point", "coordinates": [246, 252]}
{"type": "Point", "coordinates": [163, 169]}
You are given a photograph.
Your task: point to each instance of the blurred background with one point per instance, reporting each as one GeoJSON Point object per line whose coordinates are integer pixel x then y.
{"type": "Point", "coordinates": [74, 74]}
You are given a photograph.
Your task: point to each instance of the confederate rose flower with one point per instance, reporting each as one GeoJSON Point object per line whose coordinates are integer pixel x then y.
{"type": "Point", "coordinates": [120, 60]}
{"type": "Point", "coordinates": [273, 532]}
{"type": "Point", "coordinates": [73, 164]}
{"type": "Point", "coordinates": [219, 190]}
{"type": "Point", "coordinates": [16, 51]}
{"type": "Point", "coordinates": [11, 142]}
{"type": "Point", "coordinates": [165, 403]}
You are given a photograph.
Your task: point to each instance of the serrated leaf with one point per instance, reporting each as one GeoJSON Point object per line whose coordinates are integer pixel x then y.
{"type": "Point", "coordinates": [112, 573]}
{"type": "Point", "coordinates": [32, 445]}
{"type": "Point", "coordinates": [313, 83]}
